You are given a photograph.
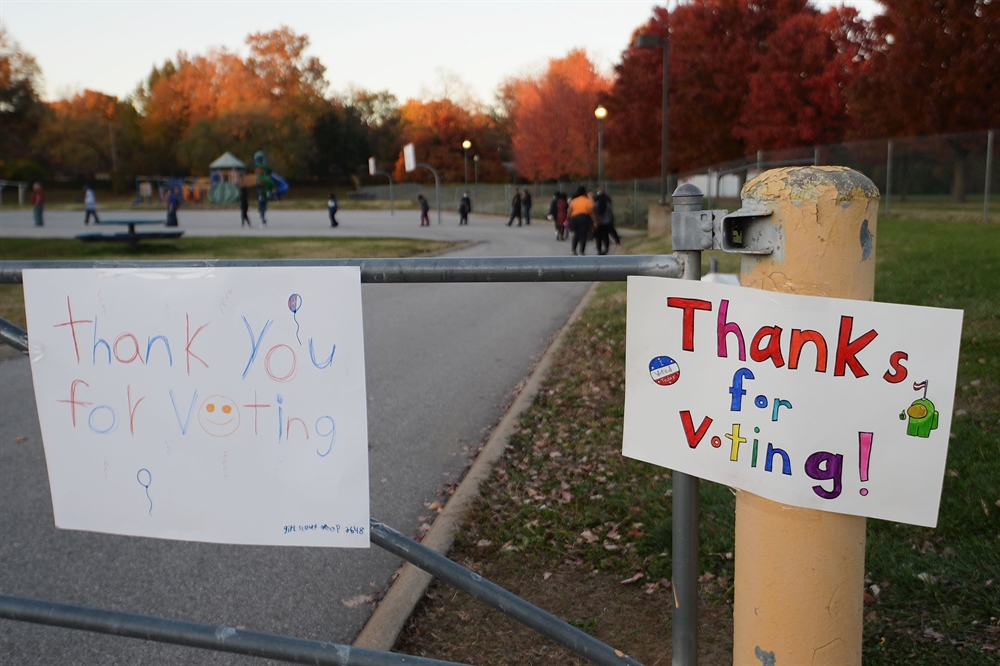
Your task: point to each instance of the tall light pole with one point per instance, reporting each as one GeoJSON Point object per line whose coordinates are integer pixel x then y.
{"type": "Point", "coordinates": [600, 113]}
{"type": "Point", "coordinates": [649, 42]}
{"type": "Point", "coordinates": [465, 153]}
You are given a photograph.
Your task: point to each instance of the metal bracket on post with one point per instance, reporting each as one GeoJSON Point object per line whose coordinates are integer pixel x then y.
{"type": "Point", "coordinates": [696, 229]}
{"type": "Point", "coordinates": [745, 231]}
{"type": "Point", "coordinates": [749, 231]}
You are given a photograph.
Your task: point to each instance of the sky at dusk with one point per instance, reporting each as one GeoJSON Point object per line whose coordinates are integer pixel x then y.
{"type": "Point", "coordinates": [408, 48]}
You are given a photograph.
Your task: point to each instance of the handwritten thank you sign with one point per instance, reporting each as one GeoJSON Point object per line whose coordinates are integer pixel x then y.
{"type": "Point", "coordinates": [822, 403]}
{"type": "Point", "coordinates": [205, 404]}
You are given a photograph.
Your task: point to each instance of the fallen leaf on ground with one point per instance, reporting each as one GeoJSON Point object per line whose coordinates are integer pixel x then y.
{"type": "Point", "coordinates": [20, 439]}
{"type": "Point", "coordinates": [484, 543]}
{"type": "Point", "coordinates": [706, 577]}
{"type": "Point", "coordinates": [629, 581]}
{"type": "Point", "coordinates": [357, 600]}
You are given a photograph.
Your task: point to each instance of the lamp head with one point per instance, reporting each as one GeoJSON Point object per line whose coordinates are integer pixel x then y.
{"type": "Point", "coordinates": [600, 113]}
{"type": "Point", "coordinates": [646, 41]}
{"type": "Point", "coordinates": [466, 144]}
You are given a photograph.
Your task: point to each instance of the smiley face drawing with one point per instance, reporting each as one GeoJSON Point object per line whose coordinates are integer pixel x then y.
{"type": "Point", "coordinates": [219, 416]}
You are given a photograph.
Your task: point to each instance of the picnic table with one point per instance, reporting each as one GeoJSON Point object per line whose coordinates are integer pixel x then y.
{"type": "Point", "coordinates": [132, 237]}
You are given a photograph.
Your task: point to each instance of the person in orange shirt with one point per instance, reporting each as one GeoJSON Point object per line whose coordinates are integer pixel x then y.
{"type": "Point", "coordinates": [581, 218]}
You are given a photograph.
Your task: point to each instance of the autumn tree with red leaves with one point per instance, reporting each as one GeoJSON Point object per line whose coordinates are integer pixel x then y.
{"type": "Point", "coordinates": [437, 129]}
{"type": "Point", "coordinates": [744, 75]}
{"type": "Point", "coordinates": [553, 129]}
{"type": "Point", "coordinates": [933, 70]}
{"type": "Point", "coordinates": [798, 93]}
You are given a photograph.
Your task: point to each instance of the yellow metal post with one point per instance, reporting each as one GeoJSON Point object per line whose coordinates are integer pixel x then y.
{"type": "Point", "coordinates": [800, 572]}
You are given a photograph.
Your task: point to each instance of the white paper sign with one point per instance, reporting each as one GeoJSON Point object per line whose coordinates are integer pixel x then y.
{"type": "Point", "coordinates": [219, 404]}
{"type": "Point", "coordinates": [822, 403]}
{"type": "Point", "coordinates": [409, 157]}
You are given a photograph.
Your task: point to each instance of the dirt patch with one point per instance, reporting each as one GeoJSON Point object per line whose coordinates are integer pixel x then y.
{"type": "Point", "coordinates": [453, 626]}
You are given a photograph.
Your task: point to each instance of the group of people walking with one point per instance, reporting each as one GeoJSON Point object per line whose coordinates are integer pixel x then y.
{"type": "Point", "coordinates": [520, 202]}
{"type": "Point", "coordinates": [583, 216]}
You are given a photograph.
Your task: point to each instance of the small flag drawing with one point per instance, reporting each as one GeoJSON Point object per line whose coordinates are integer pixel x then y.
{"type": "Point", "coordinates": [920, 385]}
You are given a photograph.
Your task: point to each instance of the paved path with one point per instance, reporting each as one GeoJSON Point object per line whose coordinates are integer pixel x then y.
{"type": "Point", "coordinates": [442, 362]}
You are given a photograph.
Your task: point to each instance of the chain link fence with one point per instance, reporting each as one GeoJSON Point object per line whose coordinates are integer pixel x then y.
{"type": "Point", "coordinates": [945, 176]}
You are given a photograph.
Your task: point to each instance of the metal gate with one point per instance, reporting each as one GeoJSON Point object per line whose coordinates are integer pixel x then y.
{"type": "Point", "coordinates": [295, 650]}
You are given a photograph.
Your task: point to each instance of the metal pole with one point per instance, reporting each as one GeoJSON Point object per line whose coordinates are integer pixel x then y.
{"type": "Point", "coordinates": [600, 151]}
{"type": "Point", "coordinates": [800, 572]}
{"type": "Point", "coordinates": [816, 156]}
{"type": "Point", "coordinates": [392, 203]}
{"type": "Point", "coordinates": [989, 174]}
{"type": "Point", "coordinates": [684, 498]}
{"type": "Point", "coordinates": [665, 130]}
{"type": "Point", "coordinates": [465, 154]}
{"type": "Point", "coordinates": [492, 595]}
{"type": "Point", "coordinates": [437, 186]}
{"type": "Point", "coordinates": [635, 201]}
{"type": "Point", "coordinates": [205, 636]}
{"type": "Point", "coordinates": [760, 161]}
{"type": "Point", "coordinates": [888, 179]}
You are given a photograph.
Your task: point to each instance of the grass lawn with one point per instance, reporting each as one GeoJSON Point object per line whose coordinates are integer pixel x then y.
{"type": "Point", "coordinates": [571, 525]}
{"type": "Point", "coordinates": [199, 247]}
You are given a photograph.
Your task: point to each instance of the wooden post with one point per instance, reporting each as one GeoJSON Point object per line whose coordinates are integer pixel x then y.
{"type": "Point", "coordinates": [800, 572]}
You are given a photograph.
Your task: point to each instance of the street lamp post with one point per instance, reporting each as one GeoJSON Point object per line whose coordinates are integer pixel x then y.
{"type": "Point", "coordinates": [475, 164]}
{"type": "Point", "coordinates": [600, 113]}
{"type": "Point", "coordinates": [465, 154]}
{"type": "Point", "coordinates": [649, 42]}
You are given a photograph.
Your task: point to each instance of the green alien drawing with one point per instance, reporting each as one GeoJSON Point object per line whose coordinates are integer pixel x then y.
{"type": "Point", "coordinates": [923, 418]}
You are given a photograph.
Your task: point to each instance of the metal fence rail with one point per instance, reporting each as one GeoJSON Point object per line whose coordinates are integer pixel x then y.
{"type": "Point", "coordinates": [492, 595]}
{"type": "Point", "coordinates": [373, 271]}
{"type": "Point", "coordinates": [206, 636]}
{"type": "Point", "coordinates": [944, 168]}
{"type": "Point", "coordinates": [615, 268]}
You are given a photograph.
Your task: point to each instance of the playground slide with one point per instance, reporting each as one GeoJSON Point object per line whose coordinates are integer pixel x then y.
{"type": "Point", "coordinates": [280, 186]}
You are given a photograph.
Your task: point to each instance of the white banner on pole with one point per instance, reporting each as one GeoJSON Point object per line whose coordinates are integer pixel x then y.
{"type": "Point", "coordinates": [823, 403]}
{"type": "Point", "coordinates": [225, 405]}
{"type": "Point", "coordinates": [371, 166]}
{"type": "Point", "coordinates": [409, 157]}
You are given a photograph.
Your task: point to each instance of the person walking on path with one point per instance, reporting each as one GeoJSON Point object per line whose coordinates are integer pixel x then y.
{"type": "Point", "coordinates": [425, 220]}
{"type": "Point", "coordinates": [244, 207]}
{"type": "Point", "coordinates": [89, 205]}
{"type": "Point", "coordinates": [605, 222]}
{"type": "Point", "coordinates": [562, 214]}
{"type": "Point", "coordinates": [331, 207]}
{"type": "Point", "coordinates": [526, 205]}
{"type": "Point", "coordinates": [515, 209]}
{"type": "Point", "coordinates": [464, 208]}
{"type": "Point", "coordinates": [262, 206]}
{"type": "Point", "coordinates": [37, 203]}
{"type": "Point", "coordinates": [557, 213]}
{"type": "Point", "coordinates": [173, 203]}
{"type": "Point", "coordinates": [581, 219]}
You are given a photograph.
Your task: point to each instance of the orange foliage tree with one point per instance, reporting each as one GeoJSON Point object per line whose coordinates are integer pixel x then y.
{"type": "Point", "coordinates": [88, 133]}
{"type": "Point", "coordinates": [553, 128]}
{"type": "Point", "coordinates": [437, 129]}
{"type": "Point", "coordinates": [198, 107]}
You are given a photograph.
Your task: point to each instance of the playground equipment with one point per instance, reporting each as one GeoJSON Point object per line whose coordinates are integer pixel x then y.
{"type": "Point", "coordinates": [189, 188]}
{"type": "Point", "coordinates": [226, 175]}
{"type": "Point", "coordinates": [269, 183]}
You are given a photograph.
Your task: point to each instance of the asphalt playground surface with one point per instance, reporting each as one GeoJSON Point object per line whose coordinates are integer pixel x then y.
{"type": "Point", "coordinates": [443, 362]}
